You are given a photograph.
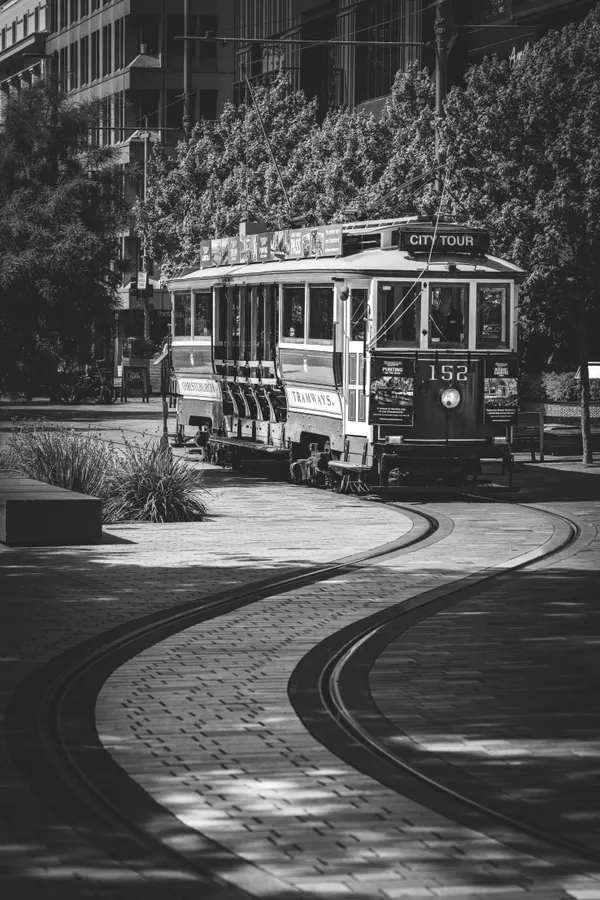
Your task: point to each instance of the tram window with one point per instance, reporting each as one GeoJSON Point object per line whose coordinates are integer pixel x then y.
{"type": "Point", "coordinates": [183, 314]}
{"type": "Point", "coordinates": [399, 314]}
{"type": "Point", "coordinates": [358, 312]}
{"type": "Point", "coordinates": [292, 314]}
{"type": "Point", "coordinates": [221, 299]}
{"type": "Point", "coordinates": [320, 314]}
{"type": "Point", "coordinates": [492, 315]}
{"type": "Point", "coordinates": [203, 321]}
{"type": "Point", "coordinates": [449, 315]}
{"type": "Point", "coordinates": [259, 318]}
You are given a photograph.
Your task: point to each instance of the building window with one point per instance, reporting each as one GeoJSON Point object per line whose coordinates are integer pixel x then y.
{"type": "Point", "coordinates": [63, 14]}
{"type": "Point", "coordinates": [63, 68]}
{"type": "Point", "coordinates": [73, 12]}
{"type": "Point", "coordinates": [174, 110]}
{"type": "Point", "coordinates": [84, 8]}
{"type": "Point", "coordinates": [174, 28]}
{"type": "Point", "coordinates": [73, 65]}
{"type": "Point", "coordinates": [208, 49]}
{"type": "Point", "coordinates": [107, 50]}
{"type": "Point", "coordinates": [53, 16]}
{"type": "Point", "coordinates": [95, 55]}
{"type": "Point", "coordinates": [95, 5]}
{"type": "Point", "coordinates": [208, 104]}
{"type": "Point", "coordinates": [119, 44]}
{"type": "Point", "coordinates": [25, 25]}
{"type": "Point", "coordinates": [4, 38]}
{"type": "Point", "coordinates": [84, 60]}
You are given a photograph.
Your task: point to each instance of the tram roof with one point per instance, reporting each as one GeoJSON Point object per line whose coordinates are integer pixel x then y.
{"type": "Point", "coordinates": [376, 262]}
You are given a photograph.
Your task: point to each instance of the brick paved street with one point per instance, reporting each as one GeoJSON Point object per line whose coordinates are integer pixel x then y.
{"type": "Point", "coordinates": [203, 721]}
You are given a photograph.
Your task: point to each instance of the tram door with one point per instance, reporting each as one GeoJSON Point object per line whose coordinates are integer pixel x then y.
{"type": "Point", "coordinates": [356, 417]}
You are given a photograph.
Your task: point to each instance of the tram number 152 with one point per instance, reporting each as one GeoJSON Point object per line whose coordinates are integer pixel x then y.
{"type": "Point", "coordinates": [448, 372]}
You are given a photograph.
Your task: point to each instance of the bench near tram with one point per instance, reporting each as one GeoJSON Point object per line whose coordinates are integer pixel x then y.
{"type": "Point", "coordinates": [367, 354]}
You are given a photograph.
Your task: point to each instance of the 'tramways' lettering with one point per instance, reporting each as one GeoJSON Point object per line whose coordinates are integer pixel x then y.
{"type": "Point", "coordinates": [312, 398]}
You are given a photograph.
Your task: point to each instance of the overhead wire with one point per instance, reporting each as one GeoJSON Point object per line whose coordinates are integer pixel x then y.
{"type": "Point", "coordinates": [385, 326]}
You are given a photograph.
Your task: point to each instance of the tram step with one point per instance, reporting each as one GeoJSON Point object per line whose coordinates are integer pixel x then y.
{"type": "Point", "coordinates": [255, 446]}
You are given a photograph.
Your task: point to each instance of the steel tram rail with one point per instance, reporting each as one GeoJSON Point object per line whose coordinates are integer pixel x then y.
{"type": "Point", "coordinates": [53, 740]}
{"type": "Point", "coordinates": [331, 681]}
{"type": "Point", "coordinates": [52, 737]}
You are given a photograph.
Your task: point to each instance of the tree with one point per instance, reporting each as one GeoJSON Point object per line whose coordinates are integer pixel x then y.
{"type": "Point", "coordinates": [524, 144]}
{"type": "Point", "coordinates": [225, 174]}
{"type": "Point", "coordinates": [61, 213]}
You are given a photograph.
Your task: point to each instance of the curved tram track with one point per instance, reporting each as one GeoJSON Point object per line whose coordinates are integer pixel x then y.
{"type": "Point", "coordinates": [52, 734]}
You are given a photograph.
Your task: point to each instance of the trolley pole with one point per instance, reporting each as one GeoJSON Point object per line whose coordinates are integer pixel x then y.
{"type": "Point", "coordinates": [187, 73]}
{"type": "Point", "coordinates": [441, 56]}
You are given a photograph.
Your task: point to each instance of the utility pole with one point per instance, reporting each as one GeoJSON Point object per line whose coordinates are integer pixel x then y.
{"type": "Point", "coordinates": [441, 57]}
{"type": "Point", "coordinates": [187, 73]}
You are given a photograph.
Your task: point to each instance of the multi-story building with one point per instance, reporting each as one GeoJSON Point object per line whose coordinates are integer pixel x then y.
{"type": "Point", "coordinates": [357, 72]}
{"type": "Point", "coordinates": [379, 37]}
{"type": "Point", "coordinates": [123, 53]}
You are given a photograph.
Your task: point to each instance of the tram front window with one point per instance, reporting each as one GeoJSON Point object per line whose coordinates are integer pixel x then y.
{"type": "Point", "coordinates": [320, 315]}
{"type": "Point", "coordinates": [399, 314]}
{"type": "Point", "coordinates": [449, 315]}
{"type": "Point", "coordinates": [492, 316]}
{"type": "Point", "coordinates": [292, 315]}
{"type": "Point", "coordinates": [183, 315]}
{"type": "Point", "coordinates": [203, 320]}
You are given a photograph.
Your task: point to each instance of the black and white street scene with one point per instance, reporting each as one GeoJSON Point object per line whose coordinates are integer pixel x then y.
{"type": "Point", "coordinates": [300, 449]}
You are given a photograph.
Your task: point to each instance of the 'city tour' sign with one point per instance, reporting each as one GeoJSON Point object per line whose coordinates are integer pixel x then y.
{"type": "Point", "coordinates": [419, 239]}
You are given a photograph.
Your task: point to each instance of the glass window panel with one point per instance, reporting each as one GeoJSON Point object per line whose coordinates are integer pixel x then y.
{"type": "Point", "coordinates": [399, 314]}
{"type": "Point", "coordinates": [448, 315]}
{"type": "Point", "coordinates": [492, 315]}
{"type": "Point", "coordinates": [203, 323]}
{"type": "Point", "coordinates": [358, 309]}
{"type": "Point", "coordinates": [183, 315]}
{"type": "Point", "coordinates": [320, 320]}
{"type": "Point", "coordinates": [292, 314]}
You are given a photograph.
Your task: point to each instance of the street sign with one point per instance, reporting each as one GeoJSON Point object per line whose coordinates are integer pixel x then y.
{"type": "Point", "coordinates": [142, 281]}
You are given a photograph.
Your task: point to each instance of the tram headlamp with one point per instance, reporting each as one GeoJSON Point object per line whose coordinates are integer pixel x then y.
{"type": "Point", "coordinates": [450, 398]}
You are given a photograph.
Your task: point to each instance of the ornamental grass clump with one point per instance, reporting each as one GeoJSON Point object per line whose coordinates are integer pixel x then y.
{"type": "Point", "coordinates": [149, 484]}
{"type": "Point", "coordinates": [58, 455]}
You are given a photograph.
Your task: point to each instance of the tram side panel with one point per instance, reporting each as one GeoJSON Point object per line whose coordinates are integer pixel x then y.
{"type": "Point", "coordinates": [310, 380]}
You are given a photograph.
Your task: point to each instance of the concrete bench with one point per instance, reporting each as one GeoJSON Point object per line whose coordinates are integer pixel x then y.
{"type": "Point", "coordinates": [33, 513]}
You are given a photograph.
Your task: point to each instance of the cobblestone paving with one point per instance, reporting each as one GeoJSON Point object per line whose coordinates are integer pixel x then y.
{"type": "Point", "coordinates": [503, 687]}
{"type": "Point", "coordinates": [54, 598]}
{"type": "Point", "coordinates": [202, 721]}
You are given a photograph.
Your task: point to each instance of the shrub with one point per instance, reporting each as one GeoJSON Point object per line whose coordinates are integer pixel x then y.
{"type": "Point", "coordinates": [142, 482]}
{"type": "Point", "coordinates": [149, 484]}
{"type": "Point", "coordinates": [555, 387]}
{"type": "Point", "coordinates": [58, 455]}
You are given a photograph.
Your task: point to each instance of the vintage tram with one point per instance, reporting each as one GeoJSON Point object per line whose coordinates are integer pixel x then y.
{"type": "Point", "coordinates": [367, 354]}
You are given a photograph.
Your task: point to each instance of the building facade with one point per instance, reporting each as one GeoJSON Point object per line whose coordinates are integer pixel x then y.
{"type": "Point", "coordinates": [123, 53]}
{"type": "Point", "coordinates": [360, 73]}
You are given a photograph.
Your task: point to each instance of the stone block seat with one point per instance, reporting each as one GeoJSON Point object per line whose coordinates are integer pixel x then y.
{"type": "Point", "coordinates": [34, 513]}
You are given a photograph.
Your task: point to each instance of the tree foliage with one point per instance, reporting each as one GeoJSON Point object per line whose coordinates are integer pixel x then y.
{"type": "Point", "coordinates": [524, 144]}
{"type": "Point", "coordinates": [61, 211]}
